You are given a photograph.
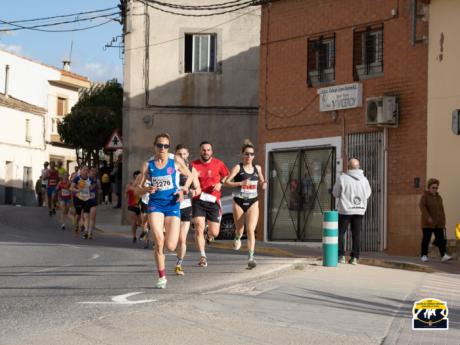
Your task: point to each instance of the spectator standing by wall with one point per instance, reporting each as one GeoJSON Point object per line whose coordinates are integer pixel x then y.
{"type": "Point", "coordinates": [117, 175]}
{"type": "Point", "coordinates": [352, 190]}
{"type": "Point", "coordinates": [104, 173]}
{"type": "Point", "coordinates": [433, 220]}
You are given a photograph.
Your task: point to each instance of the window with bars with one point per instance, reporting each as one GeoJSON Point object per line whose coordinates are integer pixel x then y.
{"type": "Point", "coordinates": [200, 53]}
{"type": "Point", "coordinates": [321, 61]}
{"type": "Point", "coordinates": [368, 53]}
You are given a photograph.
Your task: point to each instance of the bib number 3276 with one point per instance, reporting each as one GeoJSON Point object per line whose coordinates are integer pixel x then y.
{"type": "Point", "coordinates": [163, 182]}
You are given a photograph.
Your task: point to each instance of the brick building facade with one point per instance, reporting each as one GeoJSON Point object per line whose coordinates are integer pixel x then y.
{"type": "Point", "coordinates": [377, 47]}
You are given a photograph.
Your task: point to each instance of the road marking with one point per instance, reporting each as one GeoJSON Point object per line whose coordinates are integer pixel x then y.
{"type": "Point", "coordinates": [123, 300]}
{"type": "Point", "coordinates": [94, 257]}
{"type": "Point", "coordinates": [49, 269]}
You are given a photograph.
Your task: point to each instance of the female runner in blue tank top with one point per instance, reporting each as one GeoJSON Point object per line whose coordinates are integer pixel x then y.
{"type": "Point", "coordinates": [164, 201]}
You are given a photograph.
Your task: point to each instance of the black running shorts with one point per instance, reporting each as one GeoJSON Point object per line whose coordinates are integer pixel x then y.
{"type": "Point", "coordinates": [209, 210]}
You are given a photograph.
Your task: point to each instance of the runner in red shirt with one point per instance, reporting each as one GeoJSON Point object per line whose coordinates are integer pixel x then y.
{"type": "Point", "coordinates": [52, 176]}
{"type": "Point", "coordinates": [212, 173]}
{"type": "Point", "coordinates": [64, 196]}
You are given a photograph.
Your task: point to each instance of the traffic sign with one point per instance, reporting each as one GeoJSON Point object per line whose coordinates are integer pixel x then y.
{"type": "Point", "coordinates": [115, 142]}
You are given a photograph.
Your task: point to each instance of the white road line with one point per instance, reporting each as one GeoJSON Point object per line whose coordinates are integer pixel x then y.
{"type": "Point", "coordinates": [123, 300]}
{"type": "Point", "coordinates": [94, 257]}
{"type": "Point", "coordinates": [49, 269]}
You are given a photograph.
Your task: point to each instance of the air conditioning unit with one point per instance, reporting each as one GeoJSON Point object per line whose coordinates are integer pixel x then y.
{"type": "Point", "coordinates": [382, 111]}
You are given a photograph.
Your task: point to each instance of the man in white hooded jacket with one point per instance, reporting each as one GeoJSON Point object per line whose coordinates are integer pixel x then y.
{"type": "Point", "coordinates": [352, 190]}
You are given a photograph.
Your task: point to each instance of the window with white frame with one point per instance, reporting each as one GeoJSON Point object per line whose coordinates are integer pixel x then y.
{"type": "Point", "coordinates": [321, 61]}
{"type": "Point", "coordinates": [368, 52]}
{"type": "Point", "coordinates": [200, 53]}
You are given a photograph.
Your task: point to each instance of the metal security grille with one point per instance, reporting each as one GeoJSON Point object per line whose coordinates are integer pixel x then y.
{"type": "Point", "coordinates": [321, 60]}
{"type": "Point", "coordinates": [368, 52]}
{"type": "Point", "coordinates": [300, 191]}
{"type": "Point", "coordinates": [368, 148]}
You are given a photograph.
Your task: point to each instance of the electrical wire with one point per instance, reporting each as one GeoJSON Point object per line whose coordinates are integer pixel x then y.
{"type": "Point", "coordinates": [62, 16]}
{"type": "Point", "coordinates": [198, 32]}
{"type": "Point", "coordinates": [243, 6]}
{"type": "Point", "coordinates": [224, 5]}
{"type": "Point", "coordinates": [38, 26]}
{"type": "Point", "coordinates": [70, 30]}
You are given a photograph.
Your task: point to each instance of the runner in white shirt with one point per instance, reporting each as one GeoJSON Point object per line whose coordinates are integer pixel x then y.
{"type": "Point", "coordinates": [185, 209]}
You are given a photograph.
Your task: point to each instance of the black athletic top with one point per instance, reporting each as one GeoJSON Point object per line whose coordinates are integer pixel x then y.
{"type": "Point", "coordinates": [249, 191]}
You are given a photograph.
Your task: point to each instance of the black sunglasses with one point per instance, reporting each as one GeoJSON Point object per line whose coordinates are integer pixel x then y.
{"type": "Point", "coordinates": [249, 154]}
{"type": "Point", "coordinates": [163, 146]}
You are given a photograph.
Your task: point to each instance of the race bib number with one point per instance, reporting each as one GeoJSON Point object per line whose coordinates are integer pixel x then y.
{"type": "Point", "coordinates": [84, 195]}
{"type": "Point", "coordinates": [250, 190]}
{"type": "Point", "coordinates": [163, 182]}
{"type": "Point", "coordinates": [185, 204]}
{"type": "Point", "coordinates": [208, 197]}
{"type": "Point", "coordinates": [65, 192]}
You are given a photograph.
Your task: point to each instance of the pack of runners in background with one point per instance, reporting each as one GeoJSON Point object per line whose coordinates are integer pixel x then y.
{"type": "Point", "coordinates": [164, 197]}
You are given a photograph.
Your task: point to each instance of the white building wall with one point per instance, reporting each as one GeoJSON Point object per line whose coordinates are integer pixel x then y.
{"type": "Point", "coordinates": [36, 84]}
{"type": "Point", "coordinates": [15, 149]}
{"type": "Point", "coordinates": [28, 80]}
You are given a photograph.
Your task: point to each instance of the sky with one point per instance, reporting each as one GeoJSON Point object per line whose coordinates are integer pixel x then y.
{"type": "Point", "coordinates": [88, 56]}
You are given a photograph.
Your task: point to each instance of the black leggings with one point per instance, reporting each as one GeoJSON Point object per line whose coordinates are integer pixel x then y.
{"type": "Point", "coordinates": [439, 237]}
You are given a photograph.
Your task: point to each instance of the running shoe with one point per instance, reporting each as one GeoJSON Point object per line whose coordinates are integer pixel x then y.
{"type": "Point", "coordinates": [353, 261]}
{"type": "Point", "coordinates": [161, 283]}
{"type": "Point", "coordinates": [142, 235]}
{"type": "Point", "coordinates": [424, 258]}
{"type": "Point", "coordinates": [63, 227]}
{"type": "Point", "coordinates": [252, 263]}
{"type": "Point", "coordinates": [90, 236]}
{"type": "Point", "coordinates": [237, 243]}
{"type": "Point", "coordinates": [85, 236]}
{"type": "Point", "coordinates": [342, 260]}
{"type": "Point", "coordinates": [203, 262]}
{"type": "Point", "coordinates": [446, 257]}
{"type": "Point", "coordinates": [147, 244]}
{"type": "Point", "coordinates": [179, 271]}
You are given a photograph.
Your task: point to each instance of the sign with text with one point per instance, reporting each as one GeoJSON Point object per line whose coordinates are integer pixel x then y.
{"type": "Point", "coordinates": [114, 143]}
{"type": "Point", "coordinates": [340, 97]}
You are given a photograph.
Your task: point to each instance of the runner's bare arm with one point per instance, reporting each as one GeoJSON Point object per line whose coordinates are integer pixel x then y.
{"type": "Point", "coordinates": [229, 181]}
{"type": "Point", "coordinates": [184, 170]}
{"type": "Point", "coordinates": [74, 188]}
{"type": "Point", "coordinates": [139, 183]}
{"type": "Point", "coordinates": [262, 181]}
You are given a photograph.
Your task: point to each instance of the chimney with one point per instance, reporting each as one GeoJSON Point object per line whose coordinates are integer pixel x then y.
{"type": "Point", "coordinates": [66, 65]}
{"type": "Point", "coordinates": [7, 76]}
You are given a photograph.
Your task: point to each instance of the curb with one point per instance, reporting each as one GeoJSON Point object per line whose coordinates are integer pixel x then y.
{"type": "Point", "coordinates": [407, 266]}
{"type": "Point", "coordinates": [363, 261]}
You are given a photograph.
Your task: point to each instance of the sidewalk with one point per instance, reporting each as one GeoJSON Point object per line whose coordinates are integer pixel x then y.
{"type": "Point", "coordinates": [109, 221]}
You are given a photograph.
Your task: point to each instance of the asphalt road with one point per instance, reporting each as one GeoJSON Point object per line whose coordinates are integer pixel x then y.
{"type": "Point", "coordinates": [59, 289]}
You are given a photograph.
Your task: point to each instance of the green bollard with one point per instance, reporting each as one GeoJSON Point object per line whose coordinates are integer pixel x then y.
{"type": "Point", "coordinates": [330, 238]}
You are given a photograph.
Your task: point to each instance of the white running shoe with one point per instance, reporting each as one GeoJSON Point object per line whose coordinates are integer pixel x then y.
{"type": "Point", "coordinates": [424, 258]}
{"type": "Point", "coordinates": [446, 257]}
{"type": "Point", "coordinates": [237, 243]}
{"type": "Point", "coordinates": [161, 283]}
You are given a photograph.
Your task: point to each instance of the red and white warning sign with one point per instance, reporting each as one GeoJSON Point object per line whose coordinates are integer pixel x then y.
{"type": "Point", "coordinates": [115, 142]}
